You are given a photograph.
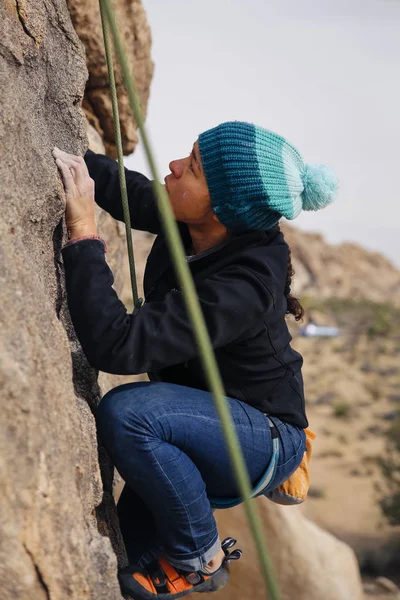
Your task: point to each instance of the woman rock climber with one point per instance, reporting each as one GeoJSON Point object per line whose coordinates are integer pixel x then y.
{"type": "Point", "coordinates": [164, 436]}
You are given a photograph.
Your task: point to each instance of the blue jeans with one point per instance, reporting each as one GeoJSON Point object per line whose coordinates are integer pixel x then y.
{"type": "Point", "coordinates": [166, 442]}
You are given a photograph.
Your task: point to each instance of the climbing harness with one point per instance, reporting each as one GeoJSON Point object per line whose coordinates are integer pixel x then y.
{"type": "Point", "coordinates": [264, 480]}
{"type": "Point", "coordinates": [195, 314]}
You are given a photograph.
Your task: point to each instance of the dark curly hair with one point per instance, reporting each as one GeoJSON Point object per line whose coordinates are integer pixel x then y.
{"type": "Point", "coordinates": [293, 304]}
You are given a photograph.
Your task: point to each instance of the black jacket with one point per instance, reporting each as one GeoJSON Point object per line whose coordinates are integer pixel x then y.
{"type": "Point", "coordinates": [240, 285]}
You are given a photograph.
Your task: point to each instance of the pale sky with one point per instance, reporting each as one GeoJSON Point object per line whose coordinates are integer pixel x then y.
{"type": "Point", "coordinates": [325, 74]}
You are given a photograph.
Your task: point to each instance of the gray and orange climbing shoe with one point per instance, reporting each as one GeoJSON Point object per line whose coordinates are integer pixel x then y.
{"type": "Point", "coordinates": [161, 581]}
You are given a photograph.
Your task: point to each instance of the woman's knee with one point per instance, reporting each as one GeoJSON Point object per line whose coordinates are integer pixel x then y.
{"type": "Point", "coordinates": [113, 406]}
{"type": "Point", "coordinates": [134, 403]}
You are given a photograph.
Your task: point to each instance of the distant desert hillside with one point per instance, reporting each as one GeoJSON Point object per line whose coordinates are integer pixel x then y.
{"type": "Point", "coordinates": [323, 270]}
{"type": "Point", "coordinates": [342, 271]}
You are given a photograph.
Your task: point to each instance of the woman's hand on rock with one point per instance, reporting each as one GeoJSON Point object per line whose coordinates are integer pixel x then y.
{"type": "Point", "coordinates": [79, 190]}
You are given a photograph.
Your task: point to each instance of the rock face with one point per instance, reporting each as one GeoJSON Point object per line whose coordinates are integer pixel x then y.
{"type": "Point", "coordinates": [53, 504]}
{"type": "Point", "coordinates": [135, 33]}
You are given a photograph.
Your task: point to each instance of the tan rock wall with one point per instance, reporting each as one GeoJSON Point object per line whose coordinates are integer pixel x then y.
{"type": "Point", "coordinates": [50, 483]}
{"type": "Point", "coordinates": [136, 36]}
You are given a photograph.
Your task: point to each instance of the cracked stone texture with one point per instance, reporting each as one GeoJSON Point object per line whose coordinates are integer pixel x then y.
{"type": "Point", "coordinates": [55, 509]}
{"type": "Point", "coordinates": [135, 32]}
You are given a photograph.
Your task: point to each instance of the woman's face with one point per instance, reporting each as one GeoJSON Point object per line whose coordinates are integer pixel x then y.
{"type": "Point", "coordinates": [188, 191]}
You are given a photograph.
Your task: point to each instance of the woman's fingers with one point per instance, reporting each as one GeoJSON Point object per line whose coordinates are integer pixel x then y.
{"type": "Point", "coordinates": [79, 189]}
{"type": "Point", "coordinates": [68, 180]}
{"type": "Point", "coordinates": [81, 172]}
{"type": "Point", "coordinates": [75, 163]}
{"type": "Point", "coordinates": [69, 159]}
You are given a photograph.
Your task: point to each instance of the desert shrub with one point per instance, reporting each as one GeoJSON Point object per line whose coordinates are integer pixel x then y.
{"type": "Point", "coordinates": [342, 409]}
{"type": "Point", "coordinates": [316, 492]}
{"type": "Point", "coordinates": [381, 322]}
{"type": "Point", "coordinates": [331, 453]}
{"type": "Point", "coordinates": [389, 463]}
{"type": "Point", "coordinates": [358, 316]}
{"type": "Point", "coordinates": [374, 387]}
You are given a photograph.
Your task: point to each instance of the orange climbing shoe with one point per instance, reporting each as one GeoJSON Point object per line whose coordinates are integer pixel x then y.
{"type": "Point", "coordinates": [163, 581]}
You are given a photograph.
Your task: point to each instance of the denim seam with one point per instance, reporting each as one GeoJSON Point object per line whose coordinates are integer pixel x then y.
{"type": "Point", "coordinates": [292, 457]}
{"type": "Point", "coordinates": [189, 558]}
{"type": "Point", "coordinates": [176, 491]}
{"type": "Point", "coordinates": [216, 419]}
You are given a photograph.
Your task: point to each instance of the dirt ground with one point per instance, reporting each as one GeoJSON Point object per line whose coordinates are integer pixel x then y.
{"type": "Point", "coordinates": [350, 406]}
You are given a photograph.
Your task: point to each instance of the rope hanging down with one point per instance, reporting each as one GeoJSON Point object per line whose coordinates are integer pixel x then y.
{"type": "Point", "coordinates": [137, 302]}
{"type": "Point", "coordinates": [204, 345]}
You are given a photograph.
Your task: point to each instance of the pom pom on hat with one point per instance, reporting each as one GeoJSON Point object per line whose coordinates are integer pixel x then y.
{"type": "Point", "coordinates": [320, 186]}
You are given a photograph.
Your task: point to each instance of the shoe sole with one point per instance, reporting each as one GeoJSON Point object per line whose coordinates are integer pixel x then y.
{"type": "Point", "coordinates": [131, 587]}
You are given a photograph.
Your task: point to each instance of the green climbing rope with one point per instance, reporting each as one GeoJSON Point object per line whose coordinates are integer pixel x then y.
{"type": "Point", "coordinates": [118, 142]}
{"type": "Point", "coordinates": [196, 317]}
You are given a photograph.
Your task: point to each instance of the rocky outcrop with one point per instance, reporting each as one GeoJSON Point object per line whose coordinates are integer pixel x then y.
{"type": "Point", "coordinates": [135, 33]}
{"type": "Point", "coordinates": [343, 271]}
{"type": "Point", "coordinates": [309, 563]}
{"type": "Point", "coordinates": [54, 506]}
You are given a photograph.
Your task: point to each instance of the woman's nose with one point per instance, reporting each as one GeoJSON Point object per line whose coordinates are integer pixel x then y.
{"type": "Point", "coordinates": [176, 167]}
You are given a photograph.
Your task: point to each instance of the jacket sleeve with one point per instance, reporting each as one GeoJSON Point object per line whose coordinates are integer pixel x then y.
{"type": "Point", "coordinates": [142, 200]}
{"type": "Point", "coordinates": [159, 334]}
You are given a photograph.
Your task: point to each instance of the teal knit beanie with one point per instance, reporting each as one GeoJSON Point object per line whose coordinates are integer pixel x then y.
{"type": "Point", "coordinates": [255, 177]}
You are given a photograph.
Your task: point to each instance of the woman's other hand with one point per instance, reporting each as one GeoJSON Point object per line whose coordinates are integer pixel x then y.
{"type": "Point", "coordinates": [79, 190]}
